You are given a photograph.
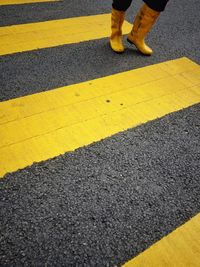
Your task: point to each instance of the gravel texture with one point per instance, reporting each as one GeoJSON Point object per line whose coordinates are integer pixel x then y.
{"type": "Point", "coordinates": [176, 34]}
{"type": "Point", "coordinates": [103, 204]}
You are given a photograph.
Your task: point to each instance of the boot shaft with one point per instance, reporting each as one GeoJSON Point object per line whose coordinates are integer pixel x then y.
{"type": "Point", "coordinates": [144, 21]}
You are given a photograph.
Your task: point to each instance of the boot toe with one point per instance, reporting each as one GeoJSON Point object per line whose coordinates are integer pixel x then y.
{"type": "Point", "coordinates": [142, 47]}
{"type": "Point", "coordinates": [116, 47]}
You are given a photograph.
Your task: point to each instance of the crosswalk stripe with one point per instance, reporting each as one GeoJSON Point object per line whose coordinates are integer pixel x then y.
{"type": "Point", "coordinates": [180, 248]}
{"type": "Point", "coordinates": [19, 2]}
{"type": "Point", "coordinates": [45, 125]}
{"type": "Point", "coordinates": [26, 37]}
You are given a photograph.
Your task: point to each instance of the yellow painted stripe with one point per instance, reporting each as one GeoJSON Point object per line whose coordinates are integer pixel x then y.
{"type": "Point", "coordinates": [26, 37]}
{"type": "Point", "coordinates": [44, 125]}
{"type": "Point", "coordinates": [19, 2]}
{"type": "Point", "coordinates": [181, 248]}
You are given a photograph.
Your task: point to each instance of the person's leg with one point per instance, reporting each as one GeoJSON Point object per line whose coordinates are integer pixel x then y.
{"type": "Point", "coordinates": [117, 18]}
{"type": "Point", "coordinates": [143, 23]}
{"type": "Point", "coordinates": [156, 5]}
{"type": "Point", "coordinates": [121, 5]}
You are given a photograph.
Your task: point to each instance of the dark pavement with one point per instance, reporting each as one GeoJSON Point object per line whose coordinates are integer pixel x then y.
{"type": "Point", "coordinates": [175, 35]}
{"type": "Point", "coordinates": [103, 204]}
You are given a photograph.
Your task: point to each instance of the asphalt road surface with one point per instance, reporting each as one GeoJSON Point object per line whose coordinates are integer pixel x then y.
{"type": "Point", "coordinates": [175, 35]}
{"type": "Point", "coordinates": [102, 204]}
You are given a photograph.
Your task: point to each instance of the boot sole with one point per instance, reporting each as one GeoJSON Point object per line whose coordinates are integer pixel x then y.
{"type": "Point", "coordinates": [148, 55]}
{"type": "Point", "coordinates": [117, 52]}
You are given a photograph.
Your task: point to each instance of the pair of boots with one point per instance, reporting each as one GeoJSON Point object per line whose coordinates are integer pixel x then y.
{"type": "Point", "coordinates": [143, 23]}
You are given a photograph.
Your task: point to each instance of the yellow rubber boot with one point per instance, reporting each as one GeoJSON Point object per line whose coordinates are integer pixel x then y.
{"type": "Point", "coordinates": [143, 23]}
{"type": "Point", "coordinates": [117, 19]}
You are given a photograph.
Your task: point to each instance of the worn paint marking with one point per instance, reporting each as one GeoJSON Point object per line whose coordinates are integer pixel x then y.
{"type": "Point", "coordinates": [178, 249]}
{"type": "Point", "coordinates": [26, 37]}
{"type": "Point", "coordinates": [47, 124]}
{"type": "Point", "coordinates": [19, 2]}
